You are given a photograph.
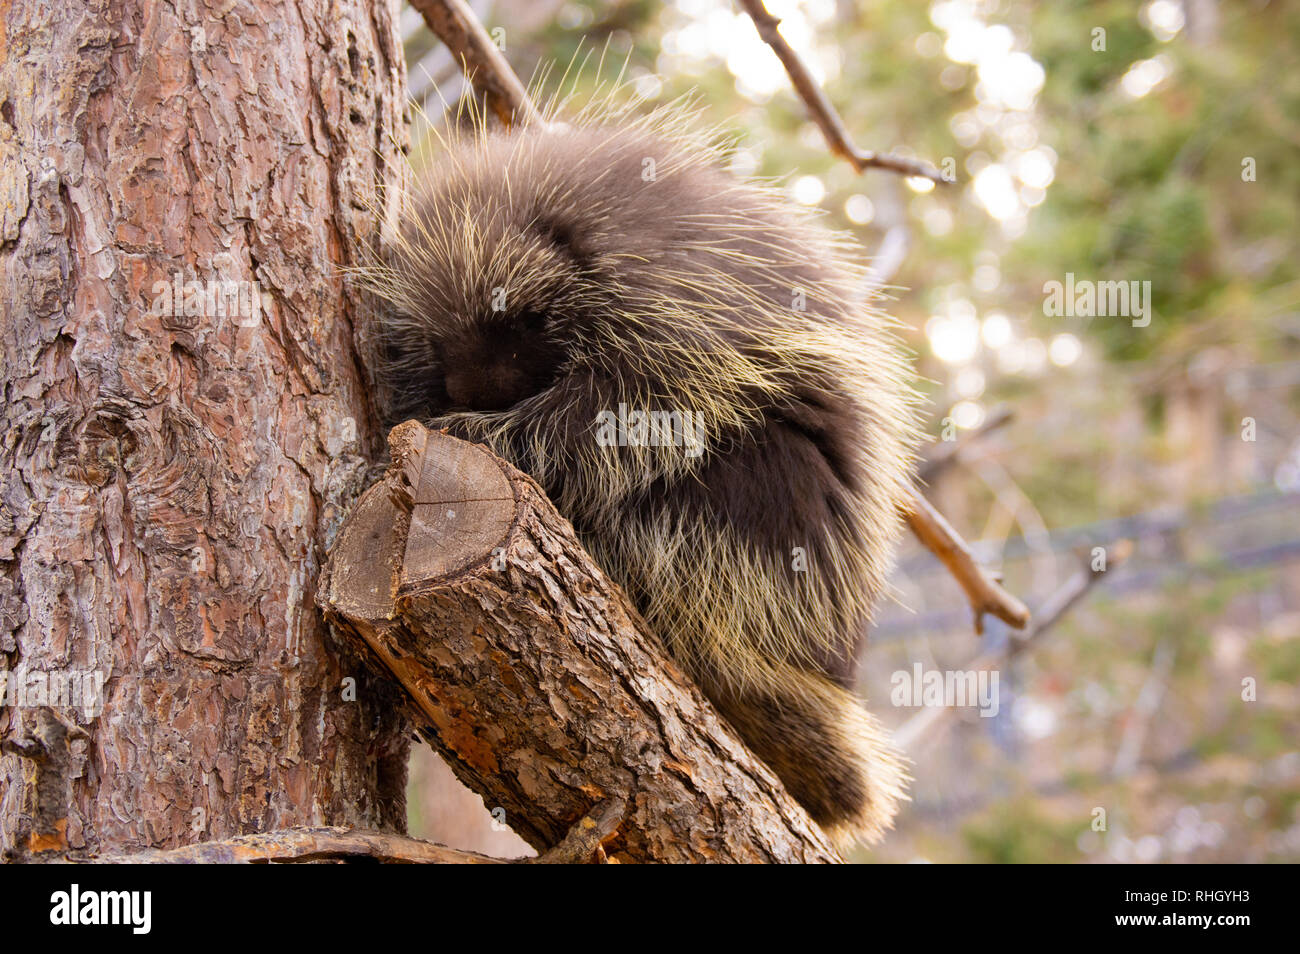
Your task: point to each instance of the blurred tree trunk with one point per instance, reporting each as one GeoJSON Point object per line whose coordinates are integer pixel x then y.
{"type": "Point", "coordinates": [1194, 419]}
{"type": "Point", "coordinates": [171, 473]}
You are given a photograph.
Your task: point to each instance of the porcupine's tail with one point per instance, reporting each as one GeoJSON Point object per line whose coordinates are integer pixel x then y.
{"type": "Point", "coordinates": [831, 754]}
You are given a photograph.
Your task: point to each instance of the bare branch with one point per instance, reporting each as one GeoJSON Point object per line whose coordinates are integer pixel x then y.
{"type": "Point", "coordinates": [456, 25]}
{"type": "Point", "coordinates": [823, 113]}
{"type": "Point", "coordinates": [298, 845]}
{"type": "Point", "coordinates": [983, 592]}
{"type": "Point", "coordinates": [1073, 590]}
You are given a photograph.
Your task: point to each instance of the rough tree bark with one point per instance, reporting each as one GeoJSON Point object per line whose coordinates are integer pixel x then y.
{"type": "Point", "coordinates": [533, 675]}
{"type": "Point", "coordinates": [170, 476]}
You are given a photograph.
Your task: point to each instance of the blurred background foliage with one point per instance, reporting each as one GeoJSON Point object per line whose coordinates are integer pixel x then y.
{"type": "Point", "coordinates": [1114, 141]}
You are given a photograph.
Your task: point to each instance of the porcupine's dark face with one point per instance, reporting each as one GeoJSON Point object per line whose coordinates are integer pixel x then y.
{"type": "Point", "coordinates": [481, 347]}
{"type": "Point", "coordinates": [505, 282]}
{"type": "Point", "coordinates": [526, 249]}
{"type": "Point", "coordinates": [500, 362]}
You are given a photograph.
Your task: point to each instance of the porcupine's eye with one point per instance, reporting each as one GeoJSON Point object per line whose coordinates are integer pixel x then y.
{"type": "Point", "coordinates": [502, 362]}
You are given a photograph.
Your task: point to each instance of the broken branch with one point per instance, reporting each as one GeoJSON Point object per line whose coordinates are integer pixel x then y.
{"type": "Point", "coordinates": [985, 594]}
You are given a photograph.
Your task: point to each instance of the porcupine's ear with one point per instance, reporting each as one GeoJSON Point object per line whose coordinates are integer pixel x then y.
{"type": "Point", "coordinates": [561, 233]}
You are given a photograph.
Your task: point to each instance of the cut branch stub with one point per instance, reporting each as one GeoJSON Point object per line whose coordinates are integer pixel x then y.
{"type": "Point", "coordinates": [532, 674]}
{"type": "Point", "coordinates": [463, 510]}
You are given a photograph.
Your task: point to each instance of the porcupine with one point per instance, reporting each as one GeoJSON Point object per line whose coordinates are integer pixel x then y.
{"type": "Point", "coordinates": [605, 263]}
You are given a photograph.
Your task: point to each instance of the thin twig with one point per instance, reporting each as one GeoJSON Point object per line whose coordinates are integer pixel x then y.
{"type": "Point", "coordinates": [823, 113]}
{"type": "Point", "coordinates": [1074, 589]}
{"type": "Point", "coordinates": [982, 590]}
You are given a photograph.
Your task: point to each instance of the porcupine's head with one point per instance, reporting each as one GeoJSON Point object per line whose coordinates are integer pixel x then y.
{"type": "Point", "coordinates": [546, 274]}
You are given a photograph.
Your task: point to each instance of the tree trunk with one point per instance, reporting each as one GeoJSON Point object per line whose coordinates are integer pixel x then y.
{"type": "Point", "coordinates": [171, 473]}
